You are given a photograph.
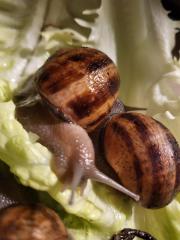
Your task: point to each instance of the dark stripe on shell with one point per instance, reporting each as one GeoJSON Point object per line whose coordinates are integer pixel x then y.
{"type": "Point", "coordinates": [84, 105]}
{"type": "Point", "coordinates": [157, 165]}
{"type": "Point", "coordinates": [59, 79]}
{"type": "Point", "coordinates": [99, 63]}
{"type": "Point", "coordinates": [124, 134]}
{"type": "Point", "coordinates": [176, 153]}
{"type": "Point", "coordinates": [113, 85]}
{"type": "Point", "coordinates": [77, 57]}
{"type": "Point", "coordinates": [154, 154]}
{"type": "Point", "coordinates": [152, 151]}
{"type": "Point", "coordinates": [54, 87]}
{"type": "Point", "coordinates": [176, 156]}
{"type": "Point", "coordinates": [98, 138]}
{"type": "Point", "coordinates": [140, 126]}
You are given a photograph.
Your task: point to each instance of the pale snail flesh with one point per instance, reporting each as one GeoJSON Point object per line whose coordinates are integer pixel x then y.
{"type": "Point", "coordinates": [145, 156]}
{"type": "Point", "coordinates": [74, 157]}
{"type": "Point", "coordinates": [31, 222]}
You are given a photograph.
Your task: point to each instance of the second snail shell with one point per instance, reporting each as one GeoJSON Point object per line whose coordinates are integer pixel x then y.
{"type": "Point", "coordinates": [145, 156]}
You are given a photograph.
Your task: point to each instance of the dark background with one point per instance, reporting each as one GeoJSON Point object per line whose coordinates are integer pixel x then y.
{"type": "Point", "coordinates": [173, 8]}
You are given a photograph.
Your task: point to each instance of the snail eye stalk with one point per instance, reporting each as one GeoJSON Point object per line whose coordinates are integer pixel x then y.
{"type": "Point", "coordinates": [130, 234]}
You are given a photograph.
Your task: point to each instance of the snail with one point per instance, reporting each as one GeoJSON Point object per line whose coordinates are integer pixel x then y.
{"type": "Point", "coordinates": [72, 148]}
{"type": "Point", "coordinates": [31, 222]}
{"type": "Point", "coordinates": [145, 156]}
{"type": "Point", "coordinates": [79, 85]}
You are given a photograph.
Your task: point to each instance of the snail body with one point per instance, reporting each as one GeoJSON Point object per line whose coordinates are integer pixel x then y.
{"type": "Point", "coordinates": [79, 84]}
{"type": "Point", "coordinates": [72, 148]}
{"type": "Point", "coordinates": [77, 150]}
{"type": "Point", "coordinates": [145, 156]}
{"type": "Point", "coordinates": [31, 222]}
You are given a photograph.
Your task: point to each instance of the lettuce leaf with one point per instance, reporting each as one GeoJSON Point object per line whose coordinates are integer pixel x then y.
{"type": "Point", "coordinates": [31, 162]}
{"type": "Point", "coordinates": [162, 223]}
{"type": "Point", "coordinates": [164, 100]}
{"type": "Point", "coordinates": [20, 25]}
{"type": "Point", "coordinates": [139, 37]}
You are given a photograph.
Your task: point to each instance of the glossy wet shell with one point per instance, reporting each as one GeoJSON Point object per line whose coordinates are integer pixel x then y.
{"type": "Point", "coordinates": [80, 84]}
{"type": "Point", "coordinates": [31, 222]}
{"type": "Point", "coordinates": [145, 156]}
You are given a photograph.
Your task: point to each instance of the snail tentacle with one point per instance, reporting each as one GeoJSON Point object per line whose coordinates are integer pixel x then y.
{"type": "Point", "coordinates": [76, 180]}
{"type": "Point", "coordinates": [82, 160]}
{"type": "Point", "coordinates": [100, 177]}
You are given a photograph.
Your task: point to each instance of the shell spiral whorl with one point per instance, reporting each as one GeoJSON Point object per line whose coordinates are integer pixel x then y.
{"type": "Point", "coordinates": [80, 84]}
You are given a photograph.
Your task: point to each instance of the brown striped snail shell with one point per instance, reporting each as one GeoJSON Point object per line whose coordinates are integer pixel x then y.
{"type": "Point", "coordinates": [31, 222]}
{"type": "Point", "coordinates": [80, 85]}
{"type": "Point", "coordinates": [145, 156]}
